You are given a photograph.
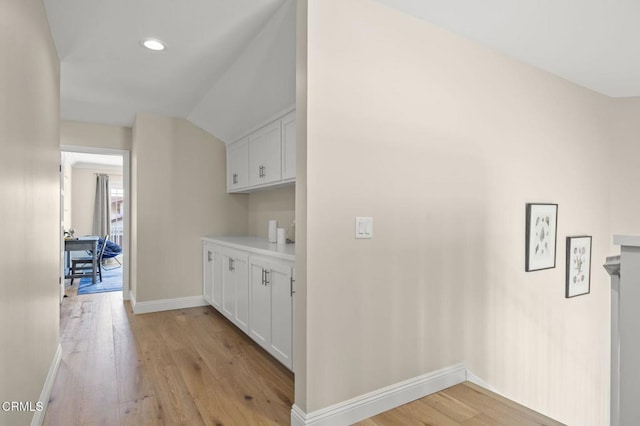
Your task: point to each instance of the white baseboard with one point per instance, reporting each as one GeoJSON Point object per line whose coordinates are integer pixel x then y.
{"type": "Point", "coordinates": [478, 381]}
{"type": "Point", "coordinates": [45, 395]}
{"type": "Point", "coordinates": [378, 401]}
{"type": "Point", "coordinates": [166, 304]}
{"type": "Point", "coordinates": [132, 300]}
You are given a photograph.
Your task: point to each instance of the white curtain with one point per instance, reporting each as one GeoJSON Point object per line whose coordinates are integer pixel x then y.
{"type": "Point", "coordinates": [102, 208]}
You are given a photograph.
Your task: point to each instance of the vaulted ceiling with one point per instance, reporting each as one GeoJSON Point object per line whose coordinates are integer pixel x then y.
{"type": "Point", "coordinates": [230, 64]}
{"type": "Point", "coordinates": [223, 60]}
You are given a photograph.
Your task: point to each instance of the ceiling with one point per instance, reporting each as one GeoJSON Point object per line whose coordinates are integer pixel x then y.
{"type": "Point", "coordinates": [81, 159]}
{"type": "Point", "coordinates": [230, 64]}
{"type": "Point", "coordinates": [106, 74]}
{"type": "Point", "coordinates": [594, 43]}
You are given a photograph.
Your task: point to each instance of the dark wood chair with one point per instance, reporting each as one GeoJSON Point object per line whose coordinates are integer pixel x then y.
{"type": "Point", "coordinates": [85, 263]}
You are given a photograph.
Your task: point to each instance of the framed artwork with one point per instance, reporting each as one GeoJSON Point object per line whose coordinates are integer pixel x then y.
{"type": "Point", "coordinates": [578, 266]}
{"type": "Point", "coordinates": [540, 236]}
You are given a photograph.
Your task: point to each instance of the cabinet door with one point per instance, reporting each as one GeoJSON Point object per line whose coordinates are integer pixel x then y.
{"type": "Point", "coordinates": [241, 318]}
{"type": "Point", "coordinates": [289, 146]}
{"type": "Point", "coordinates": [235, 290]}
{"type": "Point", "coordinates": [228, 287]}
{"type": "Point", "coordinates": [271, 307]}
{"type": "Point", "coordinates": [260, 328]}
{"type": "Point", "coordinates": [216, 278]}
{"type": "Point", "coordinates": [207, 272]}
{"type": "Point", "coordinates": [238, 165]}
{"type": "Point", "coordinates": [265, 154]}
{"type": "Point", "coordinates": [279, 281]}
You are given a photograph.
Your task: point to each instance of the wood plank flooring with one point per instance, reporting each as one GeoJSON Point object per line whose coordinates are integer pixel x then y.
{"type": "Point", "coordinates": [192, 367]}
{"type": "Point", "coordinates": [182, 367]}
{"type": "Point", "coordinates": [464, 404]}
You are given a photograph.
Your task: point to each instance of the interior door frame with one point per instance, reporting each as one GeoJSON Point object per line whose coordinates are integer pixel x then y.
{"type": "Point", "coordinates": [61, 230]}
{"type": "Point", "coordinates": [126, 186]}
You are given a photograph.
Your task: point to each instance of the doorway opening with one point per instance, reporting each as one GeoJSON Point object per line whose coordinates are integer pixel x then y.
{"type": "Point", "coordinates": [81, 168]}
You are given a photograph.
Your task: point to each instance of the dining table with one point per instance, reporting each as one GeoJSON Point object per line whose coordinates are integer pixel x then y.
{"type": "Point", "coordinates": [88, 244]}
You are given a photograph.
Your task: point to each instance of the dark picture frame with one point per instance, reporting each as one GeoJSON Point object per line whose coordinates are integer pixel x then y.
{"type": "Point", "coordinates": [540, 236]}
{"type": "Point", "coordinates": [578, 273]}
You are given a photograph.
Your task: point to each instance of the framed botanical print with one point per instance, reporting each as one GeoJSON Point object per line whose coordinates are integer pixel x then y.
{"type": "Point", "coordinates": [578, 266]}
{"type": "Point", "coordinates": [540, 236]}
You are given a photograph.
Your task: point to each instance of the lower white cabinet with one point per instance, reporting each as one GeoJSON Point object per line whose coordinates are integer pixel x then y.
{"type": "Point", "coordinates": [255, 292]}
{"type": "Point", "coordinates": [271, 306]}
{"type": "Point", "coordinates": [212, 274]}
{"type": "Point", "coordinates": [235, 288]}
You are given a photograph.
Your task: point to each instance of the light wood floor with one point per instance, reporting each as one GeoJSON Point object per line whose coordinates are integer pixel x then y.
{"type": "Point", "coordinates": [464, 404]}
{"type": "Point", "coordinates": [182, 367]}
{"type": "Point", "coordinates": [192, 367]}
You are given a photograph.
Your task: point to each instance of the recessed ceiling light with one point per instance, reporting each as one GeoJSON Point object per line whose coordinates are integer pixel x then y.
{"type": "Point", "coordinates": [153, 44]}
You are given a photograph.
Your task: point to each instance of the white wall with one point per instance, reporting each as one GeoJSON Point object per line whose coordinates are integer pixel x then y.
{"type": "Point", "coordinates": [443, 142]}
{"type": "Point", "coordinates": [67, 188]}
{"type": "Point", "coordinates": [93, 135]}
{"type": "Point", "coordinates": [178, 196]}
{"type": "Point", "coordinates": [30, 206]}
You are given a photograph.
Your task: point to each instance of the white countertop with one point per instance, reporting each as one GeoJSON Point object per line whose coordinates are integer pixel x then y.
{"type": "Point", "coordinates": [255, 245]}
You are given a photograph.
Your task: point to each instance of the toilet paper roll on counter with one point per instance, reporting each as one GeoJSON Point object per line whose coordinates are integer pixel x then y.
{"type": "Point", "coordinates": [273, 225]}
{"type": "Point", "coordinates": [282, 236]}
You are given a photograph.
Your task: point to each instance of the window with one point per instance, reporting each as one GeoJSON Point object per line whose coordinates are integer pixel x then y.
{"type": "Point", "coordinates": [117, 212]}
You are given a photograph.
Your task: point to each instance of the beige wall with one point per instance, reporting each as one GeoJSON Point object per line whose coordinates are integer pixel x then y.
{"type": "Point", "coordinates": [30, 206]}
{"type": "Point", "coordinates": [83, 194]}
{"type": "Point", "coordinates": [178, 195]}
{"type": "Point", "coordinates": [625, 198]}
{"type": "Point", "coordinates": [278, 204]}
{"type": "Point", "coordinates": [300, 319]}
{"type": "Point", "coordinates": [443, 142]}
{"type": "Point", "coordinates": [74, 133]}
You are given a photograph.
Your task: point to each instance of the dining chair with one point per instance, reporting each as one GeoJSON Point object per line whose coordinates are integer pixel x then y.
{"type": "Point", "coordinates": [86, 262]}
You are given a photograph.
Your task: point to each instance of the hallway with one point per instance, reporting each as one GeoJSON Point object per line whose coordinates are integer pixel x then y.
{"type": "Point", "coordinates": [192, 367]}
{"type": "Point", "coordinates": [175, 367]}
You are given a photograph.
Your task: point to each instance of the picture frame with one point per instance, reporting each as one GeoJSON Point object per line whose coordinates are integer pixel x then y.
{"type": "Point", "coordinates": [578, 272]}
{"type": "Point", "coordinates": [540, 236]}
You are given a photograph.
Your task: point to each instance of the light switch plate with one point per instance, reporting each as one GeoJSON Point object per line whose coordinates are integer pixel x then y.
{"type": "Point", "coordinates": [364, 227]}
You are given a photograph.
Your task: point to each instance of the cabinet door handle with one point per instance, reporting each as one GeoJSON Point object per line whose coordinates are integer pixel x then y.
{"type": "Point", "coordinates": [235, 178]}
{"type": "Point", "coordinates": [231, 264]}
{"type": "Point", "coordinates": [292, 290]}
{"type": "Point", "coordinates": [264, 171]}
{"type": "Point", "coordinates": [209, 255]}
{"type": "Point", "coordinates": [266, 277]}
{"type": "Point", "coordinates": [262, 282]}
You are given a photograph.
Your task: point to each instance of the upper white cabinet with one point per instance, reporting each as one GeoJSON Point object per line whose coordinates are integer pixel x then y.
{"type": "Point", "coordinates": [264, 158]}
{"type": "Point", "coordinates": [238, 165]}
{"type": "Point", "coordinates": [264, 155]}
